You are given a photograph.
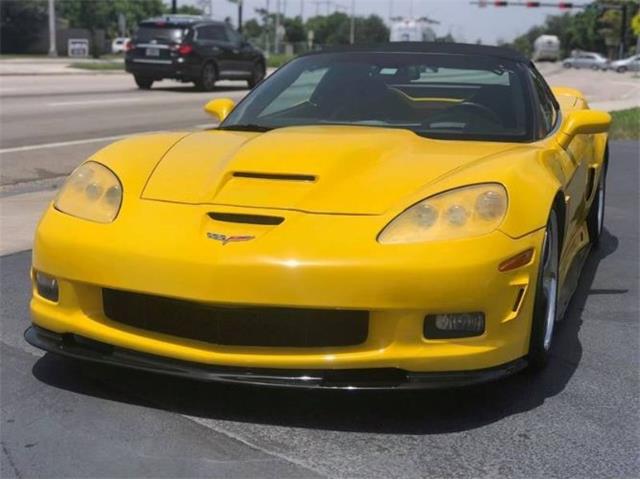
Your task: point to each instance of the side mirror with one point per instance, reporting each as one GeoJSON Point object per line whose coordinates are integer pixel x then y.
{"type": "Point", "coordinates": [220, 108]}
{"type": "Point", "coordinates": [583, 122]}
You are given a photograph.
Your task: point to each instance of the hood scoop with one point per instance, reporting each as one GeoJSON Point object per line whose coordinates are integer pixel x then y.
{"type": "Point", "coordinates": [246, 219]}
{"type": "Point", "coordinates": [286, 177]}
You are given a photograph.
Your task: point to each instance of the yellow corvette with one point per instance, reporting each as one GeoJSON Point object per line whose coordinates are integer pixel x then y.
{"type": "Point", "coordinates": [403, 216]}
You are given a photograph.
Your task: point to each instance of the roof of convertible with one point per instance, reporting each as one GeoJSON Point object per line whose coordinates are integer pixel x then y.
{"type": "Point", "coordinates": [430, 47]}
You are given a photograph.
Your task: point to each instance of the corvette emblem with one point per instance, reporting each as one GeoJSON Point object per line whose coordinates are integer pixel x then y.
{"type": "Point", "coordinates": [224, 239]}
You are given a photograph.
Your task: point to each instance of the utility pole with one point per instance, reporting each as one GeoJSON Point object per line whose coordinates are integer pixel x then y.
{"type": "Point", "coordinates": [623, 30]}
{"type": "Point", "coordinates": [174, 6]}
{"type": "Point", "coordinates": [53, 51]}
{"type": "Point", "coordinates": [352, 30]}
{"type": "Point", "coordinates": [276, 43]}
{"type": "Point", "coordinates": [240, 16]}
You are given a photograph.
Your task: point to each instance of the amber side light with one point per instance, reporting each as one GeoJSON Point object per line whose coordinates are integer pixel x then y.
{"type": "Point", "coordinates": [516, 261]}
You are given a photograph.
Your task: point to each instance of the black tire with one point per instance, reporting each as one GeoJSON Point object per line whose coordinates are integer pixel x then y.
{"type": "Point", "coordinates": [621, 69]}
{"type": "Point", "coordinates": [257, 75]}
{"type": "Point", "coordinates": [566, 65]}
{"type": "Point", "coordinates": [144, 83]}
{"type": "Point", "coordinates": [545, 309]}
{"type": "Point", "coordinates": [208, 77]}
{"type": "Point", "coordinates": [595, 218]}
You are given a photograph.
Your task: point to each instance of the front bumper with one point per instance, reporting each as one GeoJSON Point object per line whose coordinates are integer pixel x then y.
{"type": "Point", "coordinates": [162, 249]}
{"type": "Point", "coordinates": [359, 379]}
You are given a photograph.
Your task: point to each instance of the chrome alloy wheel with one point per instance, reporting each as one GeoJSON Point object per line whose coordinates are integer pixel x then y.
{"type": "Point", "coordinates": [600, 205]}
{"type": "Point", "coordinates": [550, 256]}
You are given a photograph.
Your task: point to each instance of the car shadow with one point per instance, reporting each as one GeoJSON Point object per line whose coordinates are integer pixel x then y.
{"type": "Point", "coordinates": [419, 412]}
{"type": "Point", "coordinates": [190, 88]}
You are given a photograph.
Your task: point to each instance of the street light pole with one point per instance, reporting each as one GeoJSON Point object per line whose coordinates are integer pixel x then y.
{"type": "Point", "coordinates": [352, 30]}
{"type": "Point", "coordinates": [53, 51]}
{"type": "Point", "coordinates": [240, 16]}
{"type": "Point", "coordinates": [174, 6]}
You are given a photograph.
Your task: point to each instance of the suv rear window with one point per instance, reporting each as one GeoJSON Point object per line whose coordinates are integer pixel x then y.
{"type": "Point", "coordinates": [161, 34]}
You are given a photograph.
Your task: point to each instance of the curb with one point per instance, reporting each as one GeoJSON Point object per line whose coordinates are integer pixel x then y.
{"type": "Point", "coordinates": [81, 72]}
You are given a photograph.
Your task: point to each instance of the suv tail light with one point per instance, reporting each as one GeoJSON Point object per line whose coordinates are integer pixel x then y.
{"type": "Point", "coordinates": [129, 46]}
{"type": "Point", "coordinates": [185, 49]}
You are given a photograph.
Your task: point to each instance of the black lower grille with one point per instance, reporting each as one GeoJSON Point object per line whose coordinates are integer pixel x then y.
{"type": "Point", "coordinates": [258, 327]}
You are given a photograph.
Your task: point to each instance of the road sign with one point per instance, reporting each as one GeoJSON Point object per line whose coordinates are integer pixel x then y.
{"type": "Point", "coordinates": [78, 47]}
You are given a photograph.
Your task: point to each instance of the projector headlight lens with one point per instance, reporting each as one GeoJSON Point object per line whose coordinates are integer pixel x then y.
{"type": "Point", "coordinates": [463, 212]}
{"type": "Point", "coordinates": [92, 192]}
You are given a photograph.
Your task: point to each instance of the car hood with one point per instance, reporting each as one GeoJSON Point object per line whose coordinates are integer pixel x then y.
{"type": "Point", "coordinates": [327, 169]}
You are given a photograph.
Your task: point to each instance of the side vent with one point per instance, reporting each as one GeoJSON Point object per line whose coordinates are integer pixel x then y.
{"type": "Point", "coordinates": [516, 305]}
{"type": "Point", "coordinates": [590, 182]}
{"type": "Point", "coordinates": [287, 177]}
{"type": "Point", "coordinates": [244, 218]}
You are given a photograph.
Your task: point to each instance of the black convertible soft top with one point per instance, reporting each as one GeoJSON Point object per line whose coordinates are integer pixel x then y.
{"type": "Point", "coordinates": [430, 47]}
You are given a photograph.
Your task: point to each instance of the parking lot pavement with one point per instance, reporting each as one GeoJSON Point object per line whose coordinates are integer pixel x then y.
{"type": "Point", "coordinates": [579, 418]}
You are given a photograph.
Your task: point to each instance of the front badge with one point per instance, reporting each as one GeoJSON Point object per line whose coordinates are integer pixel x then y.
{"type": "Point", "coordinates": [224, 239]}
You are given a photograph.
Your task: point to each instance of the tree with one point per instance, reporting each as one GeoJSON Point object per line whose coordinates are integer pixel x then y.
{"type": "Point", "coordinates": [371, 30]}
{"type": "Point", "coordinates": [103, 15]}
{"type": "Point", "coordinates": [185, 10]}
{"type": "Point", "coordinates": [335, 29]}
{"type": "Point", "coordinates": [20, 24]}
{"type": "Point", "coordinates": [252, 29]}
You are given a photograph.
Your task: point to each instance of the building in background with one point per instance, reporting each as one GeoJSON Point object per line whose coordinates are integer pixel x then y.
{"type": "Point", "coordinates": [412, 30]}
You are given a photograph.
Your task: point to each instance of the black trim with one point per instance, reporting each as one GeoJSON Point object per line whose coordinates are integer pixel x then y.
{"type": "Point", "coordinates": [246, 218]}
{"type": "Point", "coordinates": [83, 348]}
{"type": "Point", "coordinates": [291, 177]}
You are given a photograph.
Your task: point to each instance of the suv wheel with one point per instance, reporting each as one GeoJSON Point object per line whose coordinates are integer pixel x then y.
{"type": "Point", "coordinates": [143, 83]}
{"type": "Point", "coordinates": [208, 77]}
{"type": "Point", "coordinates": [257, 75]}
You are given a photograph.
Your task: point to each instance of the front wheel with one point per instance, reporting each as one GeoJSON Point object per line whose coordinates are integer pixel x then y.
{"type": "Point", "coordinates": [621, 69]}
{"type": "Point", "coordinates": [566, 65]}
{"type": "Point", "coordinates": [545, 309]}
{"type": "Point", "coordinates": [208, 78]}
{"type": "Point", "coordinates": [595, 218]}
{"type": "Point", "coordinates": [257, 74]}
{"type": "Point", "coordinates": [144, 83]}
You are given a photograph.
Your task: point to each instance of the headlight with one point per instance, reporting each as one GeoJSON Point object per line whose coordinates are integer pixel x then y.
{"type": "Point", "coordinates": [462, 212]}
{"type": "Point", "coordinates": [92, 192]}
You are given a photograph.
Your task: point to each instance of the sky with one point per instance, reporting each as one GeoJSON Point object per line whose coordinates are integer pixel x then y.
{"type": "Point", "coordinates": [466, 22]}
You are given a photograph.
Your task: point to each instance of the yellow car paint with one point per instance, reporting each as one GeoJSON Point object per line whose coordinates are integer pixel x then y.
{"type": "Point", "coordinates": [325, 253]}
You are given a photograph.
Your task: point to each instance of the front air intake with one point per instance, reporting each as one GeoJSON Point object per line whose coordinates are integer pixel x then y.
{"type": "Point", "coordinates": [237, 326]}
{"type": "Point", "coordinates": [246, 218]}
{"type": "Point", "coordinates": [287, 177]}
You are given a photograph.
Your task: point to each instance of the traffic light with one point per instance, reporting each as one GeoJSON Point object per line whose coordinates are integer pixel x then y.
{"type": "Point", "coordinates": [565, 5]}
{"type": "Point", "coordinates": [533, 4]}
{"type": "Point", "coordinates": [500, 3]}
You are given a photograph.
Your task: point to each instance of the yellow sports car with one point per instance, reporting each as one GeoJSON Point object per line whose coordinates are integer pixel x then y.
{"type": "Point", "coordinates": [402, 216]}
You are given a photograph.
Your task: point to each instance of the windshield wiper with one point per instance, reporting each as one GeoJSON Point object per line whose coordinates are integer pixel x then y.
{"type": "Point", "coordinates": [246, 127]}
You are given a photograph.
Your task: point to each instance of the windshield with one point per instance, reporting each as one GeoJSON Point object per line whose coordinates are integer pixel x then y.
{"type": "Point", "coordinates": [434, 95]}
{"type": "Point", "coordinates": [160, 34]}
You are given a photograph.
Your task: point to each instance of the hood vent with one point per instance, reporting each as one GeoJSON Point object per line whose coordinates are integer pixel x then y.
{"type": "Point", "coordinates": [288, 177]}
{"type": "Point", "coordinates": [244, 218]}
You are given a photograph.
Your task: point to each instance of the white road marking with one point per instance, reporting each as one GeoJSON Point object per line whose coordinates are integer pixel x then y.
{"type": "Point", "coordinates": [90, 102]}
{"type": "Point", "coordinates": [27, 148]}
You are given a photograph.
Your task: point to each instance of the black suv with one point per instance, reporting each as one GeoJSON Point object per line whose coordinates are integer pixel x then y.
{"type": "Point", "coordinates": [191, 49]}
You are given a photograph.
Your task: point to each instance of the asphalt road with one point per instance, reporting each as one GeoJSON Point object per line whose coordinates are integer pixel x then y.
{"type": "Point", "coordinates": [49, 124]}
{"type": "Point", "coordinates": [580, 418]}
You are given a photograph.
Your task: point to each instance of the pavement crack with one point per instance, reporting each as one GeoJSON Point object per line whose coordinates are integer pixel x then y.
{"type": "Point", "coordinates": [12, 464]}
{"type": "Point", "coordinates": [242, 440]}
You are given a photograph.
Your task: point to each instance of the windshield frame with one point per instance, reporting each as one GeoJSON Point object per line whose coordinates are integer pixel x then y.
{"type": "Point", "coordinates": [519, 67]}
